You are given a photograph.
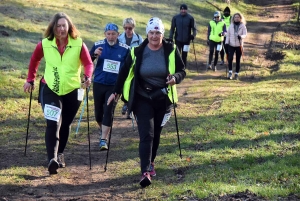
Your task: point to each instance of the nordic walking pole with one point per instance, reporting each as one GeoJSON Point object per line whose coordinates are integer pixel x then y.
{"type": "Point", "coordinates": [112, 120]}
{"type": "Point", "coordinates": [195, 56]}
{"type": "Point", "coordinates": [28, 119]}
{"type": "Point", "coordinates": [88, 124]}
{"type": "Point", "coordinates": [176, 123]}
{"type": "Point", "coordinates": [82, 110]}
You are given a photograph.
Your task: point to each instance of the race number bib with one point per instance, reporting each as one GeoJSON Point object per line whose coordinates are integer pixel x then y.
{"type": "Point", "coordinates": [166, 118]}
{"type": "Point", "coordinates": [111, 66]}
{"type": "Point", "coordinates": [52, 113]}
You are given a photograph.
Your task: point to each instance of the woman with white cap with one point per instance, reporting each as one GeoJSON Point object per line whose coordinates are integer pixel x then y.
{"type": "Point", "coordinates": [146, 78]}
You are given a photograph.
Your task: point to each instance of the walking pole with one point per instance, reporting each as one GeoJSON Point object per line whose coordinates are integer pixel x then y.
{"type": "Point", "coordinates": [195, 56]}
{"type": "Point", "coordinates": [28, 119]}
{"type": "Point", "coordinates": [88, 124]}
{"type": "Point", "coordinates": [132, 121]}
{"type": "Point", "coordinates": [176, 123]}
{"type": "Point", "coordinates": [112, 119]}
{"type": "Point", "coordinates": [82, 111]}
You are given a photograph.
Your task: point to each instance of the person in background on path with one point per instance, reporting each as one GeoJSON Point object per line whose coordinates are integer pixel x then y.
{"type": "Point", "coordinates": [64, 53]}
{"type": "Point", "coordinates": [110, 55]}
{"type": "Point", "coordinates": [227, 19]}
{"type": "Point", "coordinates": [236, 34]}
{"type": "Point", "coordinates": [132, 39]}
{"type": "Point", "coordinates": [150, 71]}
{"type": "Point", "coordinates": [183, 24]}
{"type": "Point", "coordinates": [215, 36]}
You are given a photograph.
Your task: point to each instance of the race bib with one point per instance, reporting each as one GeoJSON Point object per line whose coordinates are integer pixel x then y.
{"type": "Point", "coordinates": [166, 119]}
{"type": "Point", "coordinates": [186, 48]}
{"type": "Point", "coordinates": [219, 47]}
{"type": "Point", "coordinates": [52, 113]}
{"type": "Point", "coordinates": [80, 94]}
{"type": "Point", "coordinates": [111, 66]}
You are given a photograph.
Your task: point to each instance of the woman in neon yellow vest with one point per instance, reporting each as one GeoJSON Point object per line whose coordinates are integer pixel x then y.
{"type": "Point", "coordinates": [60, 93]}
{"type": "Point", "coordinates": [146, 78]}
{"type": "Point", "coordinates": [215, 36]}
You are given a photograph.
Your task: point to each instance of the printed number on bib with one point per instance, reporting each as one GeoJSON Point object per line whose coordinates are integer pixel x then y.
{"type": "Point", "coordinates": [52, 113]}
{"type": "Point", "coordinates": [166, 119]}
{"type": "Point", "coordinates": [111, 66]}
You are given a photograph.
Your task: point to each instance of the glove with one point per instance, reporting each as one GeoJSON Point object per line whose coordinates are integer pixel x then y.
{"type": "Point", "coordinates": [221, 34]}
{"type": "Point", "coordinates": [239, 37]}
{"type": "Point", "coordinates": [207, 42]}
{"type": "Point", "coordinates": [192, 37]}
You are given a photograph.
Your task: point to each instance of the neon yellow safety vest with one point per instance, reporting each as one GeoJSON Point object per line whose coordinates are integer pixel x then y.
{"type": "Point", "coordinates": [127, 84]}
{"type": "Point", "coordinates": [227, 21]}
{"type": "Point", "coordinates": [215, 30]}
{"type": "Point", "coordinates": [62, 73]}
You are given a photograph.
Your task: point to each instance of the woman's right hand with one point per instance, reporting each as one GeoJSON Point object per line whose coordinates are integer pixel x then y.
{"type": "Point", "coordinates": [28, 87]}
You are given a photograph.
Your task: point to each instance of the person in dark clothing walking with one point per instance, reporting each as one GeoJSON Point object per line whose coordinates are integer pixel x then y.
{"type": "Point", "coordinates": [226, 17]}
{"type": "Point", "coordinates": [148, 80]}
{"type": "Point", "coordinates": [183, 25]}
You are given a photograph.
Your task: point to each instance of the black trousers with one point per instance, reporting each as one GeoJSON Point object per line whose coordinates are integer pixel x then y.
{"type": "Point", "coordinates": [238, 55]}
{"type": "Point", "coordinates": [180, 46]}
{"type": "Point", "coordinates": [213, 47]}
{"type": "Point", "coordinates": [149, 115]}
{"type": "Point", "coordinates": [57, 133]}
{"type": "Point", "coordinates": [103, 112]}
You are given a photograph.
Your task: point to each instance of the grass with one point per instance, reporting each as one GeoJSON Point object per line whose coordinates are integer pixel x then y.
{"type": "Point", "coordinates": [234, 135]}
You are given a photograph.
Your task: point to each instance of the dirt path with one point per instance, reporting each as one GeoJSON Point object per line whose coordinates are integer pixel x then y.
{"type": "Point", "coordinates": [77, 182]}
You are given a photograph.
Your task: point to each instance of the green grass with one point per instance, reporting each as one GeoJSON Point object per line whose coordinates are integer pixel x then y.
{"type": "Point", "coordinates": [234, 135]}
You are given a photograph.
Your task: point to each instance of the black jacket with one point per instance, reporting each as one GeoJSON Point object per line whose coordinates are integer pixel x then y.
{"type": "Point", "coordinates": [138, 51]}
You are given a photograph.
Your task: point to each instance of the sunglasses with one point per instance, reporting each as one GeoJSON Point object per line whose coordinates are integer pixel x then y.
{"type": "Point", "coordinates": [128, 28]}
{"type": "Point", "coordinates": [217, 17]}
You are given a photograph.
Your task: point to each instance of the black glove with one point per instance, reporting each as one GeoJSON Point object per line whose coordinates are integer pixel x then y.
{"type": "Point", "coordinates": [221, 34]}
{"type": "Point", "coordinates": [239, 37]}
{"type": "Point", "coordinates": [192, 37]}
{"type": "Point", "coordinates": [207, 42]}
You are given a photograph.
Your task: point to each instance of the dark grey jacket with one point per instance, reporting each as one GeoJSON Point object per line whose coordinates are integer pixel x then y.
{"type": "Point", "coordinates": [183, 24]}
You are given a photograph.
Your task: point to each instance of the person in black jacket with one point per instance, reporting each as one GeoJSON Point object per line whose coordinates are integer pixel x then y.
{"type": "Point", "coordinates": [147, 80]}
{"type": "Point", "coordinates": [183, 25]}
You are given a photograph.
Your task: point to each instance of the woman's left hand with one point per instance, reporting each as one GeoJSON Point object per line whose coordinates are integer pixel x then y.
{"type": "Point", "coordinates": [171, 80]}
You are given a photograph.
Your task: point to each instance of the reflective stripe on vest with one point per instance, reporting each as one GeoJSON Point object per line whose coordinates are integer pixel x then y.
{"type": "Point", "coordinates": [127, 84]}
{"type": "Point", "coordinates": [62, 73]}
{"type": "Point", "coordinates": [215, 30]}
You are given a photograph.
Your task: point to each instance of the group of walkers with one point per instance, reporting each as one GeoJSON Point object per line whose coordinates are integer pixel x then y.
{"type": "Point", "coordinates": [143, 73]}
{"type": "Point", "coordinates": [225, 35]}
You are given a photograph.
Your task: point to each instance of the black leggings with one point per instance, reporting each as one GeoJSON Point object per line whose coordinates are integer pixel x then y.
{"type": "Point", "coordinates": [57, 133]}
{"type": "Point", "coordinates": [149, 115]}
{"type": "Point", "coordinates": [238, 54]}
{"type": "Point", "coordinates": [213, 47]}
{"type": "Point", "coordinates": [184, 54]}
{"type": "Point", "coordinates": [103, 112]}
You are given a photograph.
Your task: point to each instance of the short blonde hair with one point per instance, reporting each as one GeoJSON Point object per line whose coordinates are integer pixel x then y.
{"type": "Point", "coordinates": [241, 16]}
{"type": "Point", "coordinates": [129, 21]}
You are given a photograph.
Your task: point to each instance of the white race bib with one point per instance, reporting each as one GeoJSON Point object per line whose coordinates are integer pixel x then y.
{"type": "Point", "coordinates": [52, 113]}
{"type": "Point", "coordinates": [219, 47]}
{"type": "Point", "coordinates": [186, 48]}
{"type": "Point", "coordinates": [80, 94]}
{"type": "Point", "coordinates": [166, 118]}
{"type": "Point", "coordinates": [111, 66]}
